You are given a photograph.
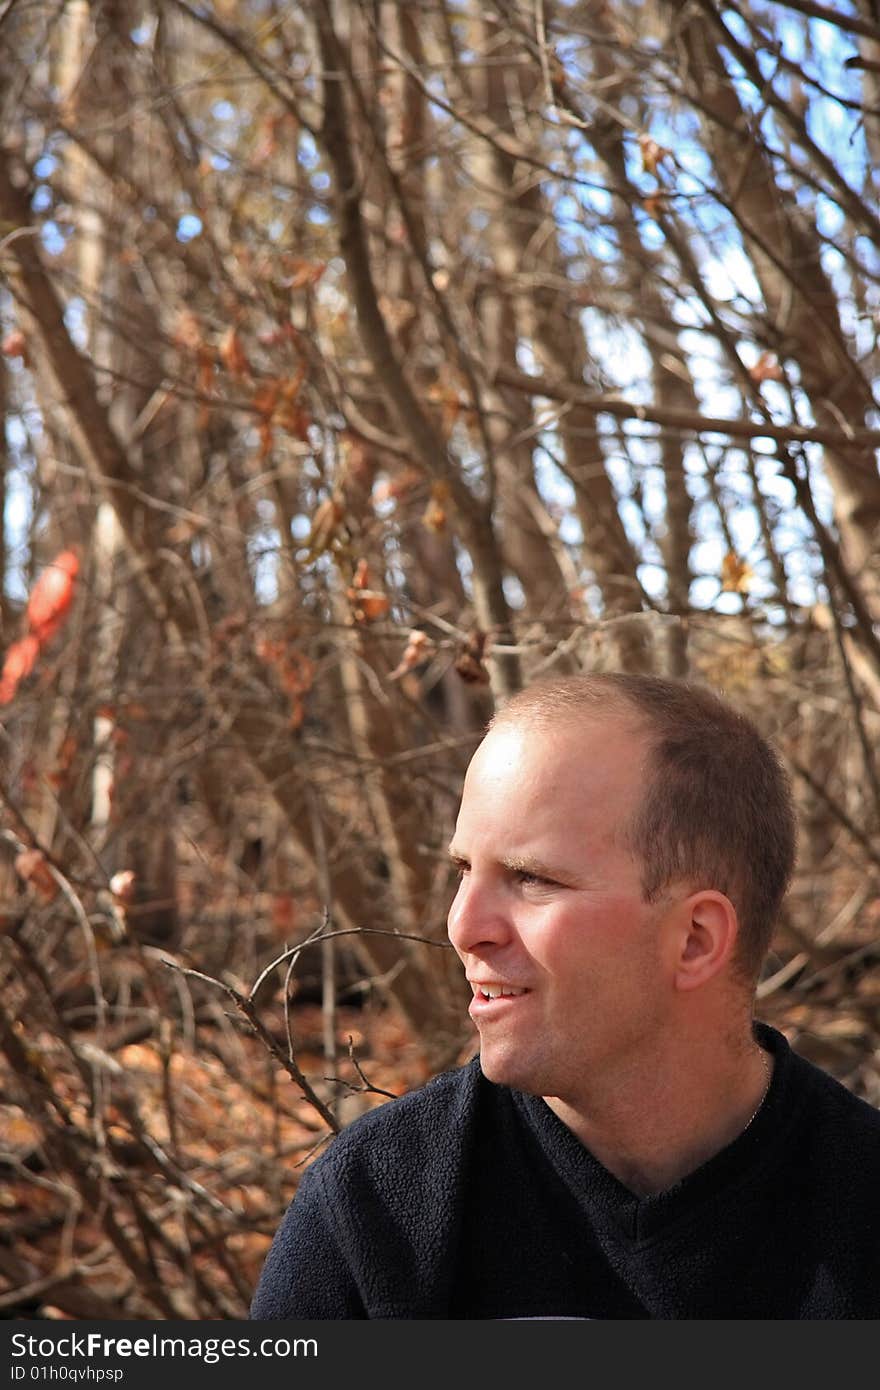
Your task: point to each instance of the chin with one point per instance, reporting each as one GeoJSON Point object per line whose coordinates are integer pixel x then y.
{"type": "Point", "coordinates": [505, 1070]}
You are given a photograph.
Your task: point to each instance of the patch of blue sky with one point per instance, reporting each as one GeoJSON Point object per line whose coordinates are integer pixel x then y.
{"type": "Point", "coordinates": [777, 489]}
{"type": "Point", "coordinates": [307, 151]}
{"type": "Point", "coordinates": [706, 558]}
{"type": "Point", "coordinates": [601, 244]}
{"type": "Point", "coordinates": [200, 553]}
{"type": "Point", "coordinates": [263, 552]}
{"type": "Point", "coordinates": [18, 515]}
{"type": "Point", "coordinates": [705, 593]}
{"type": "Point", "coordinates": [513, 591]}
{"type": "Point", "coordinates": [188, 227]}
{"type": "Point", "coordinates": [301, 526]}
{"type": "Point", "coordinates": [572, 217]}
{"type": "Point", "coordinates": [652, 236]}
{"type": "Point", "coordinates": [465, 566]}
{"type": "Point", "coordinates": [653, 579]}
{"type": "Point", "coordinates": [471, 462]}
{"type": "Point", "coordinates": [570, 530]}
{"type": "Point", "coordinates": [620, 352]}
{"type": "Point", "coordinates": [868, 252]}
{"type": "Point", "coordinates": [551, 482]}
{"type": "Point", "coordinates": [596, 198]}
{"type": "Point", "coordinates": [849, 310]}
{"type": "Point", "coordinates": [76, 322]}
{"type": "Point", "coordinates": [142, 33]}
{"type": "Point", "coordinates": [829, 216]}
{"type": "Point", "coordinates": [840, 134]}
{"type": "Point", "coordinates": [630, 514]}
{"type": "Point", "coordinates": [54, 238]}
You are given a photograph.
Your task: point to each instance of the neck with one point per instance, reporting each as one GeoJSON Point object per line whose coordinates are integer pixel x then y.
{"type": "Point", "coordinates": [652, 1130]}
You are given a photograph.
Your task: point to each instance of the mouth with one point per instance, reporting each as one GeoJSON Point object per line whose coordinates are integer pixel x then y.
{"type": "Point", "coordinates": [496, 991]}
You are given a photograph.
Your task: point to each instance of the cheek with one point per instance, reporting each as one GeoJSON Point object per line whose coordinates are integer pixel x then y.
{"type": "Point", "coordinates": [597, 939]}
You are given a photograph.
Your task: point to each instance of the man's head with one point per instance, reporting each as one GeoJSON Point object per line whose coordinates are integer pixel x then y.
{"type": "Point", "coordinates": [716, 807]}
{"type": "Point", "coordinates": [612, 831]}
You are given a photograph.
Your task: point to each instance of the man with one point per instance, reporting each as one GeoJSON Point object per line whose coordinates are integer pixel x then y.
{"type": "Point", "coordinates": [629, 1143]}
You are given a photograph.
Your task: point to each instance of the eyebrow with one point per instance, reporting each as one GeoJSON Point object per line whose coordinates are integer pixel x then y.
{"type": "Point", "coordinates": [521, 863]}
{"type": "Point", "coordinates": [525, 863]}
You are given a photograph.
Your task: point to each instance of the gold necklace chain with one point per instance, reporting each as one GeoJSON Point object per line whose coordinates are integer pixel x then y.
{"type": "Point", "coordinates": [768, 1078]}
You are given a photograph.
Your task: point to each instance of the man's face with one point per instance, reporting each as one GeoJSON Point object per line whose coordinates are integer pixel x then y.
{"type": "Point", "coordinates": [549, 909]}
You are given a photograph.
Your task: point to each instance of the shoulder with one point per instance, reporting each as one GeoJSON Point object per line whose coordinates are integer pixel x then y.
{"type": "Point", "coordinates": [806, 1091]}
{"type": "Point", "coordinates": [842, 1110]}
{"type": "Point", "coordinates": [390, 1190]}
{"type": "Point", "coordinates": [426, 1126]}
{"type": "Point", "coordinates": [834, 1147]}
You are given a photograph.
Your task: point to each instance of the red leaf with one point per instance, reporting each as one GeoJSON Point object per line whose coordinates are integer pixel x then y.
{"type": "Point", "coordinates": [15, 345]}
{"type": "Point", "coordinates": [51, 596]}
{"type": "Point", "coordinates": [20, 661]}
{"type": "Point", "coordinates": [766, 368]}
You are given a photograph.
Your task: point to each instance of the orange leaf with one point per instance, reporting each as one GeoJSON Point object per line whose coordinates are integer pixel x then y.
{"type": "Point", "coordinates": [268, 142]}
{"type": "Point", "coordinates": [232, 354]}
{"type": "Point", "coordinates": [283, 914]}
{"type": "Point", "coordinates": [304, 273]}
{"type": "Point", "coordinates": [51, 596]}
{"type": "Point", "coordinates": [361, 576]}
{"type": "Point", "coordinates": [469, 662]}
{"type": "Point", "coordinates": [325, 524]}
{"type": "Point", "coordinates": [766, 368]}
{"type": "Point", "coordinates": [652, 154]}
{"type": "Point", "coordinates": [15, 345]}
{"type": "Point", "coordinates": [418, 649]}
{"type": "Point", "coordinates": [654, 204]}
{"type": "Point", "coordinates": [265, 399]}
{"type": "Point", "coordinates": [66, 753]}
{"type": "Point", "coordinates": [32, 866]}
{"type": "Point", "coordinates": [276, 403]}
{"type": "Point", "coordinates": [434, 515]}
{"type": "Point", "coordinates": [297, 673]}
{"type": "Point", "coordinates": [368, 603]}
{"type": "Point", "coordinates": [20, 661]}
{"type": "Point", "coordinates": [267, 436]}
{"type": "Point", "coordinates": [293, 418]}
{"type": "Point", "coordinates": [736, 574]}
{"type": "Point", "coordinates": [371, 605]}
{"type": "Point", "coordinates": [450, 401]}
{"type": "Point", "coordinates": [205, 374]}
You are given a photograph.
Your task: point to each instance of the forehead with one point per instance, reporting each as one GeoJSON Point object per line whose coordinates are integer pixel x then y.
{"type": "Point", "coordinates": [592, 767]}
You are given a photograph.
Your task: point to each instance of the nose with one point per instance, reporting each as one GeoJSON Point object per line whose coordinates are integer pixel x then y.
{"type": "Point", "coordinates": [477, 917]}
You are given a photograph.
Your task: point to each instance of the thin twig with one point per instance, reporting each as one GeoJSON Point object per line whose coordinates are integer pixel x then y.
{"type": "Point", "coordinates": [246, 1007]}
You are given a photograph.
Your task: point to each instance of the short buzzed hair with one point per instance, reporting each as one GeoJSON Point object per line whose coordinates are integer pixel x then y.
{"type": "Point", "coordinates": [717, 808]}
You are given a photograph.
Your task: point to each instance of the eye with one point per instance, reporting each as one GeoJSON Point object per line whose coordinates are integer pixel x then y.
{"type": "Point", "coordinates": [523, 876]}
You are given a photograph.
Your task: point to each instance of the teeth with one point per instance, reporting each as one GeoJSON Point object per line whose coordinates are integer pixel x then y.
{"type": "Point", "coordinates": [495, 991]}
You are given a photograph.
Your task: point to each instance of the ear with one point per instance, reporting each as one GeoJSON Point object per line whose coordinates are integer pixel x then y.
{"type": "Point", "coordinates": [706, 936]}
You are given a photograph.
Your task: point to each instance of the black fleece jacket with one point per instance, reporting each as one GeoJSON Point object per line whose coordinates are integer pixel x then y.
{"type": "Point", "coordinates": [469, 1200]}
